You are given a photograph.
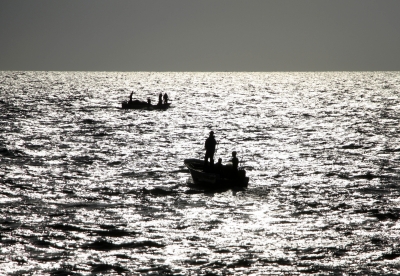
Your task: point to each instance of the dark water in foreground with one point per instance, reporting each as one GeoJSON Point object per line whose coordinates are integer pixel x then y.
{"type": "Point", "coordinates": [87, 188]}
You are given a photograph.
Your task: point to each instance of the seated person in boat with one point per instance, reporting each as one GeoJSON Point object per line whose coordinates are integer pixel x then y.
{"type": "Point", "coordinates": [218, 166]}
{"type": "Point", "coordinates": [148, 101]}
{"type": "Point", "coordinates": [231, 170]}
{"type": "Point", "coordinates": [130, 98]}
{"type": "Point", "coordinates": [235, 165]}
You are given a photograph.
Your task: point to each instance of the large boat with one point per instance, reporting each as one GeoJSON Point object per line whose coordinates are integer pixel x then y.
{"type": "Point", "coordinates": [216, 177]}
{"type": "Point", "coordinates": [136, 104]}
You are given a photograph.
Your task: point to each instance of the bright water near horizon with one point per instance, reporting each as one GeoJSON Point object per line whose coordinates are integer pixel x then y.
{"type": "Point", "coordinates": [87, 188]}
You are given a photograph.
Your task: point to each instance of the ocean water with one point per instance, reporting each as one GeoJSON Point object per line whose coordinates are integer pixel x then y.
{"type": "Point", "coordinates": [87, 188]}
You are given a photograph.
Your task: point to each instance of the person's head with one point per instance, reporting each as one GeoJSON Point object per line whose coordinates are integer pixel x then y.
{"type": "Point", "coordinates": [219, 160]}
{"type": "Point", "coordinates": [211, 133]}
{"type": "Point", "coordinates": [234, 153]}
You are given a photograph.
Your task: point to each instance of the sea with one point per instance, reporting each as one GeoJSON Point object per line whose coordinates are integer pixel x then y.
{"type": "Point", "coordinates": [89, 188]}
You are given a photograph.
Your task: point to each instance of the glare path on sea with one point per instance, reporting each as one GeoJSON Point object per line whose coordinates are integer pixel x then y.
{"type": "Point", "coordinates": [90, 188]}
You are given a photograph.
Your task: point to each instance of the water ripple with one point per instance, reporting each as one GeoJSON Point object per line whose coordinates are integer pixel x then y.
{"type": "Point", "coordinates": [89, 188]}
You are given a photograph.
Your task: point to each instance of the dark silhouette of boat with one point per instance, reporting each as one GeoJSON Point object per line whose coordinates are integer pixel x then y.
{"type": "Point", "coordinates": [214, 178]}
{"type": "Point", "coordinates": [136, 104]}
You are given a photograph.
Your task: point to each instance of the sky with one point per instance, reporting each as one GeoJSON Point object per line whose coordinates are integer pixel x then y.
{"type": "Point", "coordinates": [200, 35]}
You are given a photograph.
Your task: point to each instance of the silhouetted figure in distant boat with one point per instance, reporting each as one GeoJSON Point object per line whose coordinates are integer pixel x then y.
{"type": "Point", "coordinates": [218, 166]}
{"type": "Point", "coordinates": [235, 161]}
{"type": "Point", "coordinates": [159, 99]}
{"type": "Point", "coordinates": [148, 101]}
{"type": "Point", "coordinates": [130, 98]}
{"type": "Point", "coordinates": [210, 149]}
{"type": "Point", "coordinates": [165, 98]}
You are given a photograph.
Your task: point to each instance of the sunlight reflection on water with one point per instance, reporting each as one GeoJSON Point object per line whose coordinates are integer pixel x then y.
{"type": "Point", "coordinates": [90, 188]}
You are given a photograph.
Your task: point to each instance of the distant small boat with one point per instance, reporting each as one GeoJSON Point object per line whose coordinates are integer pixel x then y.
{"type": "Point", "coordinates": [136, 104]}
{"type": "Point", "coordinates": [211, 178]}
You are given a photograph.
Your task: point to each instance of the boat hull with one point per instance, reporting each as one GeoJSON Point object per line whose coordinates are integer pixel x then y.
{"type": "Point", "coordinates": [210, 178]}
{"type": "Point", "coordinates": [144, 105]}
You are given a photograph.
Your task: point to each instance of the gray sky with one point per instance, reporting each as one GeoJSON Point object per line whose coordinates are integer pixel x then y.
{"type": "Point", "coordinates": [200, 35]}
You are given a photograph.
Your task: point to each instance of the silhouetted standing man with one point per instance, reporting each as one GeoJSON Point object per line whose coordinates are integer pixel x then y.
{"type": "Point", "coordinates": [235, 161]}
{"type": "Point", "coordinates": [210, 149]}
{"type": "Point", "coordinates": [160, 98]}
{"type": "Point", "coordinates": [165, 98]}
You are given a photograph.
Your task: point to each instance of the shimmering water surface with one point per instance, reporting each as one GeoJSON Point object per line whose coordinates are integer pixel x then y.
{"type": "Point", "coordinates": [87, 188]}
